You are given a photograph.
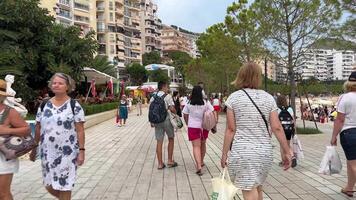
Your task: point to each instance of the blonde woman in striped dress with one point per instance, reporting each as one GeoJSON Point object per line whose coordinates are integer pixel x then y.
{"type": "Point", "coordinates": [251, 155]}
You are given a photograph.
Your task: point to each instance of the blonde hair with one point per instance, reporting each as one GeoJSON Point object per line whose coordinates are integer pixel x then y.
{"type": "Point", "coordinates": [69, 81]}
{"type": "Point", "coordinates": [249, 76]}
{"type": "Point", "coordinates": [350, 86]}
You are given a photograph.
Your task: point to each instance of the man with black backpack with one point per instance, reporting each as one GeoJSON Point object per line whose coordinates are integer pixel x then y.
{"type": "Point", "coordinates": [285, 114]}
{"type": "Point", "coordinates": [158, 116]}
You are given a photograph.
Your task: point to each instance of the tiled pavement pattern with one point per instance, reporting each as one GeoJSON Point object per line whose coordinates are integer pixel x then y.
{"type": "Point", "coordinates": [121, 164]}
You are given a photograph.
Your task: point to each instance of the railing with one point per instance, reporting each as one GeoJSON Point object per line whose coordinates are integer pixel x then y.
{"type": "Point", "coordinates": [64, 2]}
{"type": "Point", "coordinates": [100, 8]}
{"type": "Point", "coordinates": [66, 15]}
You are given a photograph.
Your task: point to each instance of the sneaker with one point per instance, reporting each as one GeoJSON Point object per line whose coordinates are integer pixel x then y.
{"type": "Point", "coordinates": [294, 162]}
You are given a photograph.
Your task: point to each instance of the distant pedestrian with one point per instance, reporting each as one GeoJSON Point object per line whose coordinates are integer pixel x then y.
{"type": "Point", "coordinates": [129, 103]}
{"type": "Point", "coordinates": [183, 101]}
{"type": "Point", "coordinates": [160, 102]}
{"type": "Point", "coordinates": [193, 117]}
{"type": "Point", "coordinates": [176, 100]}
{"type": "Point", "coordinates": [123, 111]}
{"type": "Point", "coordinates": [201, 84]}
{"type": "Point", "coordinates": [286, 117]}
{"type": "Point", "coordinates": [10, 123]}
{"type": "Point", "coordinates": [247, 133]}
{"type": "Point", "coordinates": [60, 128]}
{"type": "Point", "coordinates": [216, 105]}
{"type": "Point", "coordinates": [139, 105]}
{"type": "Point", "coordinates": [345, 125]}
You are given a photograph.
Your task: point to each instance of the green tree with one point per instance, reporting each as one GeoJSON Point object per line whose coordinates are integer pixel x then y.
{"type": "Point", "coordinates": [138, 73]}
{"type": "Point", "coordinates": [102, 64]}
{"type": "Point", "coordinates": [154, 57]}
{"type": "Point", "coordinates": [180, 59]}
{"type": "Point", "coordinates": [220, 54]}
{"type": "Point", "coordinates": [241, 24]}
{"type": "Point", "coordinates": [159, 75]}
{"type": "Point", "coordinates": [291, 26]}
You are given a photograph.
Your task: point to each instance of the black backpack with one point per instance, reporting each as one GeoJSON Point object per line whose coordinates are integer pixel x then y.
{"type": "Point", "coordinates": [157, 111]}
{"type": "Point", "coordinates": [287, 121]}
{"type": "Point", "coordinates": [72, 104]}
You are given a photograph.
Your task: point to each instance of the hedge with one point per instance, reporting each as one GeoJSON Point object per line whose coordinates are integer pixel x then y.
{"type": "Point", "coordinates": [308, 131]}
{"type": "Point", "coordinates": [98, 108]}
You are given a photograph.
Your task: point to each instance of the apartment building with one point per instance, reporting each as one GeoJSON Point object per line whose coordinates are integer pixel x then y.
{"type": "Point", "coordinates": [340, 64]}
{"type": "Point", "coordinates": [193, 37]}
{"type": "Point", "coordinates": [81, 13]}
{"type": "Point", "coordinates": [151, 27]}
{"type": "Point", "coordinates": [174, 40]}
{"type": "Point", "coordinates": [119, 31]}
{"type": "Point", "coordinates": [313, 64]}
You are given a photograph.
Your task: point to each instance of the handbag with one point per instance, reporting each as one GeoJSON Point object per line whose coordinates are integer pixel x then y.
{"type": "Point", "coordinates": [223, 188]}
{"type": "Point", "coordinates": [209, 119]}
{"type": "Point", "coordinates": [14, 146]}
{"type": "Point", "coordinates": [262, 115]}
{"type": "Point", "coordinates": [175, 120]}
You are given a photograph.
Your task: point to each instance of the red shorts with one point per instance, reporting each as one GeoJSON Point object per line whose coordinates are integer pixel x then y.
{"type": "Point", "coordinates": [217, 108]}
{"type": "Point", "coordinates": [196, 133]}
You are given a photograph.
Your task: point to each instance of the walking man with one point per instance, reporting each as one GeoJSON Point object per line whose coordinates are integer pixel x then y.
{"type": "Point", "coordinates": [158, 116]}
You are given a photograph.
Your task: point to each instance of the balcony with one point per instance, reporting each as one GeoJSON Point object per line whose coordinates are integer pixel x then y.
{"type": "Point", "coordinates": [65, 15]}
{"type": "Point", "coordinates": [100, 9]}
{"type": "Point", "coordinates": [101, 30]}
{"type": "Point", "coordinates": [64, 3]}
{"type": "Point", "coordinates": [149, 17]}
{"type": "Point", "coordinates": [81, 20]}
{"type": "Point", "coordinates": [81, 7]}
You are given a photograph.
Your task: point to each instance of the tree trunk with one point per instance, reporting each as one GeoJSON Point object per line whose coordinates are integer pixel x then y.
{"type": "Point", "coordinates": [291, 71]}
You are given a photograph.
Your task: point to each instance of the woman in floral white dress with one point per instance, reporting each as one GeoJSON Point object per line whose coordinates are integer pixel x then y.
{"type": "Point", "coordinates": [60, 130]}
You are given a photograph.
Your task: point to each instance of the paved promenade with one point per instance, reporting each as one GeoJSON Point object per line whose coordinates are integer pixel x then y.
{"type": "Point", "coordinates": [121, 164]}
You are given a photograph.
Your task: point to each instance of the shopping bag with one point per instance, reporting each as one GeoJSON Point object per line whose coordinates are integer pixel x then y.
{"type": "Point", "coordinates": [297, 148]}
{"type": "Point", "coordinates": [175, 120]}
{"type": "Point", "coordinates": [331, 163]}
{"type": "Point", "coordinates": [223, 188]}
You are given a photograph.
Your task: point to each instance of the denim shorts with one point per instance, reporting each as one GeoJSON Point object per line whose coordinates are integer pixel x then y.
{"type": "Point", "coordinates": [348, 143]}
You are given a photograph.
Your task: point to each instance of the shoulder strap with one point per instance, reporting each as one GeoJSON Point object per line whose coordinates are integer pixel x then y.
{"type": "Point", "coordinates": [262, 115]}
{"type": "Point", "coordinates": [72, 105]}
{"type": "Point", "coordinates": [5, 114]}
{"type": "Point", "coordinates": [43, 104]}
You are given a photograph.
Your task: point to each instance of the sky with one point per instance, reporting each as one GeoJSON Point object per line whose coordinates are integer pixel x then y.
{"type": "Point", "coordinates": [193, 15]}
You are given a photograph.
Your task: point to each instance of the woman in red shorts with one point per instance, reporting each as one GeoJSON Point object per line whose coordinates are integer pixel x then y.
{"type": "Point", "coordinates": [193, 117]}
{"type": "Point", "coordinates": [216, 105]}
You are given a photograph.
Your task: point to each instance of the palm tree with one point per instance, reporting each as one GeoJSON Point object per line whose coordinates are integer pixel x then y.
{"type": "Point", "coordinates": [102, 64]}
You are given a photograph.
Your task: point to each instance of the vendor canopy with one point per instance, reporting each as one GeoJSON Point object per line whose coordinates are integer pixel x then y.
{"type": "Point", "coordinates": [100, 77]}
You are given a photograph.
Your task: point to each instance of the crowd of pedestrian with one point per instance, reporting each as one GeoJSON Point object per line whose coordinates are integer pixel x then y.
{"type": "Point", "coordinates": [252, 117]}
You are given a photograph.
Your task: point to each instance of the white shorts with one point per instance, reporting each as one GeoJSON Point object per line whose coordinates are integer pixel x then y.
{"type": "Point", "coordinates": [8, 167]}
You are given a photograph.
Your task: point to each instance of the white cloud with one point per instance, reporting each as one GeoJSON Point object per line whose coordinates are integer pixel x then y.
{"type": "Point", "coordinates": [194, 15]}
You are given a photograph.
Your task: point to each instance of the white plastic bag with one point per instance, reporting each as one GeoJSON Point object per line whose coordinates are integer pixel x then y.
{"type": "Point", "coordinates": [331, 163]}
{"type": "Point", "coordinates": [297, 148]}
{"type": "Point", "coordinates": [223, 188]}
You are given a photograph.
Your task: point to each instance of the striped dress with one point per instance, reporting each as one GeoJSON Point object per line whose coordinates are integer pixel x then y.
{"type": "Point", "coordinates": [250, 157]}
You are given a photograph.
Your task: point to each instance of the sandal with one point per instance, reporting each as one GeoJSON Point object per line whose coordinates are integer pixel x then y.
{"type": "Point", "coordinates": [163, 166]}
{"type": "Point", "coordinates": [202, 165]}
{"type": "Point", "coordinates": [174, 164]}
{"type": "Point", "coordinates": [348, 193]}
{"type": "Point", "coordinates": [199, 173]}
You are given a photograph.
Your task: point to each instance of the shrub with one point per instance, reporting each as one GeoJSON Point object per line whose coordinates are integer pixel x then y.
{"type": "Point", "coordinates": [98, 108]}
{"type": "Point", "coordinates": [308, 131]}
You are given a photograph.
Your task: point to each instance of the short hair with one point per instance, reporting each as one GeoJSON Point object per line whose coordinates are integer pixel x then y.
{"type": "Point", "coordinates": [249, 76]}
{"type": "Point", "coordinates": [161, 84]}
{"type": "Point", "coordinates": [350, 86]}
{"type": "Point", "coordinates": [69, 81]}
{"type": "Point", "coordinates": [282, 101]}
{"type": "Point", "coordinates": [197, 96]}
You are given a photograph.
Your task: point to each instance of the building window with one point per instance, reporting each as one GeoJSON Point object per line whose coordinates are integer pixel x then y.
{"type": "Point", "coordinates": [126, 21]}
{"type": "Point", "coordinates": [111, 17]}
{"type": "Point", "coordinates": [112, 49]}
{"type": "Point", "coordinates": [112, 38]}
{"type": "Point", "coordinates": [81, 6]}
{"type": "Point", "coordinates": [111, 6]}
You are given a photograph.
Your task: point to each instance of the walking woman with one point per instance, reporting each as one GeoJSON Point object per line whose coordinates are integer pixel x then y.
{"type": "Point", "coordinates": [10, 123]}
{"type": "Point", "coordinates": [193, 117]}
{"type": "Point", "coordinates": [251, 154]}
{"type": "Point", "coordinates": [60, 131]}
{"type": "Point", "coordinates": [122, 111]}
{"type": "Point", "coordinates": [216, 105]}
{"type": "Point", "coordinates": [345, 124]}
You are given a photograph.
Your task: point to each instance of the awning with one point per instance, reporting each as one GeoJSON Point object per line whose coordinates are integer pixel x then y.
{"type": "Point", "coordinates": [100, 77]}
